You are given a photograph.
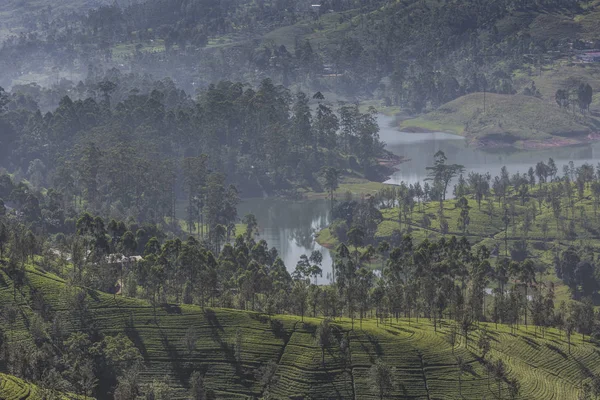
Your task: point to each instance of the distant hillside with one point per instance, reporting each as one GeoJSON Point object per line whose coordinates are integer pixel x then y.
{"type": "Point", "coordinates": [414, 54]}
{"type": "Point", "coordinates": [18, 16]}
{"type": "Point", "coordinates": [507, 119]}
{"type": "Point", "coordinates": [545, 366]}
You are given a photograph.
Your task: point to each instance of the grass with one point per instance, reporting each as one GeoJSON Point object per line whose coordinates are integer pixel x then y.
{"type": "Point", "coordinates": [507, 119]}
{"type": "Point", "coordinates": [419, 352]}
{"type": "Point", "coordinates": [489, 230]}
{"type": "Point", "coordinates": [356, 186]}
{"type": "Point", "coordinates": [562, 74]}
{"type": "Point", "coordinates": [12, 388]}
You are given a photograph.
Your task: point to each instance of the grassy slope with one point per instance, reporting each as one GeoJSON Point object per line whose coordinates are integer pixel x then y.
{"type": "Point", "coordinates": [561, 75]}
{"type": "Point", "coordinates": [424, 361]}
{"type": "Point", "coordinates": [489, 231]}
{"type": "Point", "coordinates": [507, 119]}
{"type": "Point", "coordinates": [356, 186]}
{"type": "Point", "coordinates": [12, 388]}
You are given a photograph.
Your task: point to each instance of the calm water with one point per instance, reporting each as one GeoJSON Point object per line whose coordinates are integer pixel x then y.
{"type": "Point", "coordinates": [290, 226]}
{"type": "Point", "coordinates": [420, 148]}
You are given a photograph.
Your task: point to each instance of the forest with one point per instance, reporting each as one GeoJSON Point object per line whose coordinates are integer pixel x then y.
{"type": "Point", "coordinates": [134, 133]}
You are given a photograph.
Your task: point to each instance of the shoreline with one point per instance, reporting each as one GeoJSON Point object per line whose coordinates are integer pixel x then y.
{"type": "Point", "coordinates": [526, 144]}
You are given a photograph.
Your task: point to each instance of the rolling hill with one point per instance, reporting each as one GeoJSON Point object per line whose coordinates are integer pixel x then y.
{"type": "Point", "coordinates": [508, 119]}
{"type": "Point", "coordinates": [545, 366]}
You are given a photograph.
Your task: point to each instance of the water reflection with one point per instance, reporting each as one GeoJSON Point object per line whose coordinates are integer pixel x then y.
{"type": "Point", "coordinates": [420, 148]}
{"type": "Point", "coordinates": [290, 226]}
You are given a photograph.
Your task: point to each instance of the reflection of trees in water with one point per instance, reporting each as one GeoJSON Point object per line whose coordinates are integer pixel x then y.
{"type": "Point", "coordinates": [421, 156]}
{"type": "Point", "coordinates": [303, 236]}
{"type": "Point", "coordinates": [307, 219]}
{"type": "Point", "coordinates": [289, 221]}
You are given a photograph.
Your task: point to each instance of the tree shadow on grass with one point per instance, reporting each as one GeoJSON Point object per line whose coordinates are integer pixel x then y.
{"type": "Point", "coordinates": [584, 369]}
{"type": "Point", "coordinates": [216, 329]}
{"type": "Point", "coordinates": [93, 294]}
{"type": "Point", "coordinates": [375, 343]}
{"type": "Point", "coordinates": [468, 368]}
{"type": "Point", "coordinates": [331, 379]}
{"type": "Point", "coordinates": [259, 317]}
{"type": "Point", "coordinates": [405, 330]}
{"type": "Point", "coordinates": [175, 359]}
{"type": "Point", "coordinates": [309, 328]}
{"type": "Point", "coordinates": [133, 335]}
{"type": "Point", "coordinates": [557, 350]}
{"type": "Point", "coordinates": [365, 349]}
{"type": "Point", "coordinates": [171, 309]}
{"type": "Point", "coordinates": [531, 342]}
{"type": "Point", "coordinates": [279, 330]}
{"type": "Point", "coordinates": [212, 320]}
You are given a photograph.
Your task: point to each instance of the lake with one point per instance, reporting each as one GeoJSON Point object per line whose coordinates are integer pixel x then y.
{"type": "Point", "coordinates": [420, 148]}
{"type": "Point", "coordinates": [290, 226]}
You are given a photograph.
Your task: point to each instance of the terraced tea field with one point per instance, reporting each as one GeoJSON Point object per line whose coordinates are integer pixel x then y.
{"type": "Point", "coordinates": [15, 388]}
{"type": "Point", "coordinates": [425, 363]}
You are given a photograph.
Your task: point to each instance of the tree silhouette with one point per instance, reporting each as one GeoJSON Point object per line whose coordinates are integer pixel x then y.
{"type": "Point", "coordinates": [381, 378]}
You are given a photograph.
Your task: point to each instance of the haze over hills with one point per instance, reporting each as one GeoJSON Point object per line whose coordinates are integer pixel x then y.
{"type": "Point", "coordinates": [133, 132]}
{"type": "Point", "coordinates": [414, 54]}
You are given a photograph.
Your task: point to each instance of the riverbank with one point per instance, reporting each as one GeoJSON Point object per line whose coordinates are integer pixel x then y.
{"type": "Point", "coordinates": [355, 184]}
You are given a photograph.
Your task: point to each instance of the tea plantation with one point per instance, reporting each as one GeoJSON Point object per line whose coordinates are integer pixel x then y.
{"type": "Point", "coordinates": [232, 347]}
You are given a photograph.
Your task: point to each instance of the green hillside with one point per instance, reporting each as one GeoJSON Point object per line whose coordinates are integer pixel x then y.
{"type": "Point", "coordinates": [560, 75]}
{"type": "Point", "coordinates": [12, 388]}
{"type": "Point", "coordinates": [508, 119]}
{"type": "Point", "coordinates": [533, 221]}
{"type": "Point", "coordinates": [425, 363]}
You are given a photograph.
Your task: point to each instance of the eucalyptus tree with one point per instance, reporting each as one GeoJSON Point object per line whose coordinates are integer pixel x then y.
{"type": "Point", "coordinates": [461, 366]}
{"type": "Point", "coordinates": [4, 238]}
{"type": "Point", "coordinates": [443, 173]}
{"type": "Point", "coordinates": [356, 237]}
{"type": "Point", "coordinates": [542, 172]}
{"type": "Point", "coordinates": [527, 277]}
{"type": "Point", "coordinates": [331, 176]}
{"type": "Point", "coordinates": [499, 372]}
{"type": "Point", "coordinates": [364, 283]}
{"type": "Point", "coordinates": [326, 125]}
{"type": "Point", "coordinates": [382, 379]}
{"type": "Point", "coordinates": [463, 219]}
{"type": "Point", "coordinates": [324, 338]}
{"type": "Point", "coordinates": [251, 226]}
{"type": "Point", "coordinates": [316, 260]}
{"type": "Point", "coordinates": [479, 185]}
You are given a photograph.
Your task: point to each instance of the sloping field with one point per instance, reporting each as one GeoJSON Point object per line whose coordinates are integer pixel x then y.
{"type": "Point", "coordinates": [425, 364]}
{"type": "Point", "coordinates": [12, 388]}
{"type": "Point", "coordinates": [507, 119]}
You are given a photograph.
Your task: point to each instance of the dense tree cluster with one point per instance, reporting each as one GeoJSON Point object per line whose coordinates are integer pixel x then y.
{"type": "Point", "coordinates": [575, 97]}
{"type": "Point", "coordinates": [137, 154]}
